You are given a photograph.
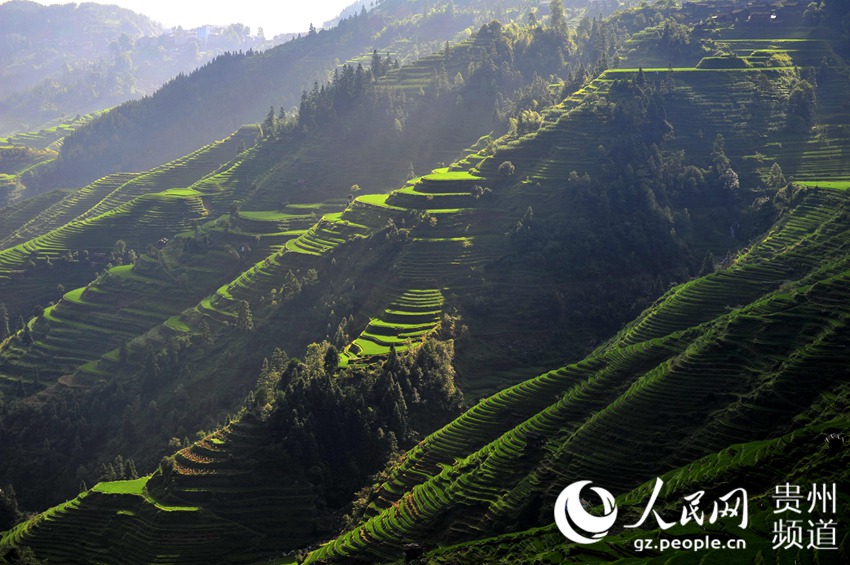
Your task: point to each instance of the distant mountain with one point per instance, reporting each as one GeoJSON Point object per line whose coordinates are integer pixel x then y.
{"type": "Point", "coordinates": [239, 88]}
{"type": "Point", "coordinates": [77, 58]}
{"type": "Point", "coordinates": [39, 41]}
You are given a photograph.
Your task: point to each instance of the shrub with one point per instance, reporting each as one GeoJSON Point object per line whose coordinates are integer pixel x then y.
{"type": "Point", "coordinates": [507, 169]}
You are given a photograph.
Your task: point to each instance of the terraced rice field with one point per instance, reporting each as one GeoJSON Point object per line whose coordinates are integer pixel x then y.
{"type": "Point", "coordinates": [51, 136]}
{"type": "Point", "coordinates": [804, 52]}
{"type": "Point", "coordinates": [238, 523]}
{"type": "Point", "coordinates": [65, 210]}
{"type": "Point", "coordinates": [407, 319]}
{"type": "Point", "coordinates": [140, 209]}
{"type": "Point", "coordinates": [717, 383]}
{"type": "Point", "coordinates": [421, 73]}
{"type": "Point", "coordinates": [16, 215]}
{"type": "Point", "coordinates": [89, 324]}
{"type": "Point", "coordinates": [331, 231]}
{"type": "Point", "coordinates": [150, 531]}
{"type": "Point", "coordinates": [139, 222]}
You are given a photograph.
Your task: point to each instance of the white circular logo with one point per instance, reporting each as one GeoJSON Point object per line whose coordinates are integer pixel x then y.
{"type": "Point", "coordinates": [577, 523]}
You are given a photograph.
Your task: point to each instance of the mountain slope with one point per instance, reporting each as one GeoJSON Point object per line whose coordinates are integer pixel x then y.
{"type": "Point", "coordinates": [132, 321]}
{"type": "Point", "coordinates": [60, 61]}
{"type": "Point", "coordinates": [735, 357]}
{"type": "Point", "coordinates": [560, 229]}
{"type": "Point", "coordinates": [213, 101]}
{"type": "Point", "coordinates": [498, 467]}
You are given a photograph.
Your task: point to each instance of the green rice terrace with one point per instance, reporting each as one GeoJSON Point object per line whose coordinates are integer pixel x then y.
{"type": "Point", "coordinates": [160, 517]}
{"type": "Point", "coordinates": [49, 137]}
{"type": "Point", "coordinates": [720, 387]}
{"type": "Point", "coordinates": [109, 193]}
{"type": "Point", "coordinates": [412, 316]}
{"type": "Point", "coordinates": [22, 157]}
{"type": "Point", "coordinates": [455, 233]}
{"type": "Point", "coordinates": [747, 105]}
{"type": "Point", "coordinates": [96, 320]}
{"type": "Point", "coordinates": [152, 532]}
{"type": "Point", "coordinates": [732, 400]}
{"type": "Point", "coordinates": [139, 209]}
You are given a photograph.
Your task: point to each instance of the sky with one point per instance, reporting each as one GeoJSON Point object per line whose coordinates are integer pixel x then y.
{"type": "Point", "coordinates": [274, 16]}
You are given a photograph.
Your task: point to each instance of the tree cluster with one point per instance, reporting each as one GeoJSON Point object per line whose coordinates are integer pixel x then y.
{"type": "Point", "coordinates": [339, 424]}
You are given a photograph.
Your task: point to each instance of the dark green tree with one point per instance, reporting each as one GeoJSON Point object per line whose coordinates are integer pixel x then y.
{"type": "Point", "coordinates": [506, 169]}
{"type": "Point", "coordinates": [727, 177]}
{"type": "Point", "coordinates": [245, 320]}
{"type": "Point", "coordinates": [206, 334]}
{"type": "Point", "coordinates": [558, 20]}
{"type": "Point", "coordinates": [291, 286]}
{"type": "Point", "coordinates": [311, 278]}
{"type": "Point", "coordinates": [708, 263]}
{"type": "Point", "coordinates": [123, 353]}
{"type": "Point", "coordinates": [130, 470]}
{"type": "Point", "coordinates": [377, 65]}
{"type": "Point", "coordinates": [9, 512]}
{"type": "Point", "coordinates": [4, 322]}
{"type": "Point", "coordinates": [776, 179]}
{"type": "Point", "coordinates": [270, 124]}
{"type": "Point", "coordinates": [331, 361]}
{"type": "Point", "coordinates": [802, 106]}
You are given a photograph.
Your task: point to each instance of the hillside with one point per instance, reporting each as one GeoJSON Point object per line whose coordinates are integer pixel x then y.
{"type": "Point", "coordinates": [747, 354]}
{"type": "Point", "coordinates": [633, 268]}
{"type": "Point", "coordinates": [61, 61]}
{"type": "Point", "coordinates": [211, 102]}
{"type": "Point", "coordinates": [69, 240]}
{"type": "Point", "coordinates": [46, 37]}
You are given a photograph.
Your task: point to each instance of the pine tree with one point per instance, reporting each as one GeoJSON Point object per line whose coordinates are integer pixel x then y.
{"type": "Point", "coordinates": [206, 334]}
{"type": "Point", "coordinates": [776, 179]}
{"type": "Point", "coordinates": [331, 360]}
{"type": "Point", "coordinates": [9, 512]}
{"type": "Point", "coordinates": [311, 278]}
{"type": "Point", "coordinates": [377, 66]}
{"type": "Point", "coordinates": [4, 322]}
{"type": "Point", "coordinates": [270, 124]}
{"type": "Point", "coordinates": [26, 334]}
{"type": "Point", "coordinates": [131, 472]}
{"type": "Point", "coordinates": [123, 353]}
{"type": "Point", "coordinates": [291, 286]}
{"type": "Point", "coordinates": [728, 178]}
{"type": "Point", "coordinates": [707, 264]}
{"type": "Point", "coordinates": [245, 319]}
{"type": "Point", "coordinates": [558, 20]}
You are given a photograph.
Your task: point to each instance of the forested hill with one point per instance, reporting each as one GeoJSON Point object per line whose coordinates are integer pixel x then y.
{"type": "Point", "coordinates": [37, 41]}
{"type": "Point", "coordinates": [60, 61]}
{"type": "Point", "coordinates": [238, 88]}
